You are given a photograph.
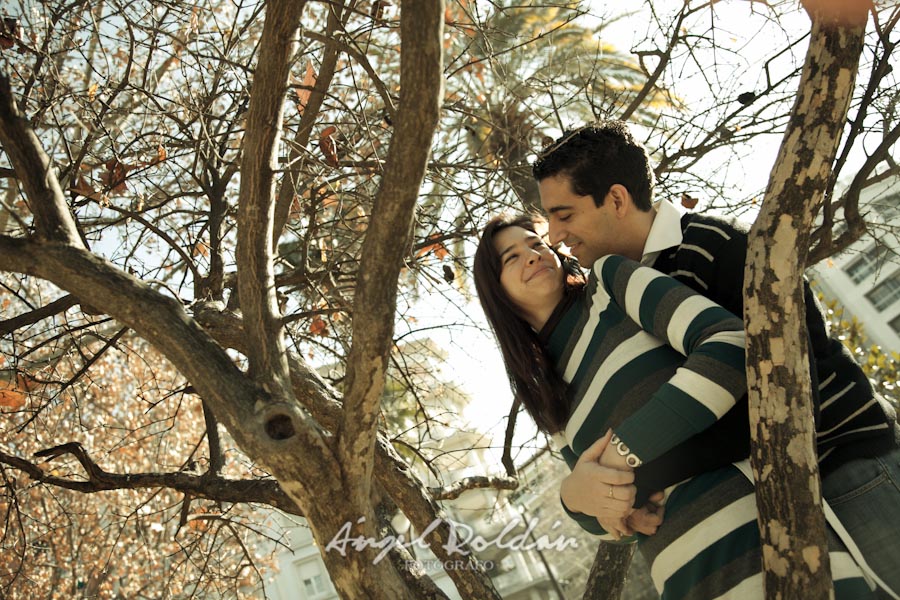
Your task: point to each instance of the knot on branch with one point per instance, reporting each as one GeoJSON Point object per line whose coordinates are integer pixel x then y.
{"type": "Point", "coordinates": [278, 421]}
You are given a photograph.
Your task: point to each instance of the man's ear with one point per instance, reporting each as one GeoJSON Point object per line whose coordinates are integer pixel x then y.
{"type": "Point", "coordinates": [621, 199]}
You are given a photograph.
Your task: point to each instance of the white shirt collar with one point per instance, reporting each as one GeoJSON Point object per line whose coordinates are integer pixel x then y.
{"type": "Point", "coordinates": [665, 232]}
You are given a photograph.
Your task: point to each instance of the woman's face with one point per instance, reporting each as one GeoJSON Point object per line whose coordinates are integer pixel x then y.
{"type": "Point", "coordinates": [530, 272]}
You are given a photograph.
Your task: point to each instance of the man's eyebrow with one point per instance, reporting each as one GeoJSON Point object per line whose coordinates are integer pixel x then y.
{"type": "Point", "coordinates": [559, 208]}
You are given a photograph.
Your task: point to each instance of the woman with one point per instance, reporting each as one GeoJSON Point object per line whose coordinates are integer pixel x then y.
{"type": "Point", "coordinates": [636, 352]}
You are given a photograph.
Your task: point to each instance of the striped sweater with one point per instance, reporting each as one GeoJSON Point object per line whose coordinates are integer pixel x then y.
{"type": "Point", "coordinates": [658, 354]}
{"type": "Point", "coordinates": [851, 419]}
{"type": "Point", "coordinates": [657, 362]}
{"type": "Point", "coordinates": [709, 544]}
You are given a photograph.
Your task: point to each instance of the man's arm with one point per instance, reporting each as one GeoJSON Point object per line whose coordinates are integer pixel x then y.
{"type": "Point", "coordinates": [712, 377]}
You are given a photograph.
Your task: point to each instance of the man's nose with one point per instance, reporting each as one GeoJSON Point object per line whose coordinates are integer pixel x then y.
{"type": "Point", "coordinates": [555, 234]}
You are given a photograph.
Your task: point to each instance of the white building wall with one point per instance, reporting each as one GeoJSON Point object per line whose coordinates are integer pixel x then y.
{"type": "Point", "coordinates": [881, 325]}
{"type": "Point", "coordinates": [301, 571]}
{"type": "Point", "coordinates": [874, 299]}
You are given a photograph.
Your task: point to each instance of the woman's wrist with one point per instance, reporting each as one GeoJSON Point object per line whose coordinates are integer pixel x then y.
{"type": "Point", "coordinates": [631, 459]}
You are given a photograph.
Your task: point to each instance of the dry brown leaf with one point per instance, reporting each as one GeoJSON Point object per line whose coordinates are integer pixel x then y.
{"type": "Point", "coordinates": [328, 146]}
{"type": "Point", "coordinates": [439, 249]}
{"type": "Point", "coordinates": [10, 32]}
{"type": "Point", "coordinates": [11, 397]}
{"type": "Point", "coordinates": [318, 327]}
{"type": "Point", "coordinates": [309, 82]}
{"type": "Point", "coordinates": [689, 202]}
{"type": "Point", "coordinates": [114, 176]}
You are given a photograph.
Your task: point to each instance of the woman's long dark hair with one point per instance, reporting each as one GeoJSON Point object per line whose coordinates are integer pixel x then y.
{"type": "Point", "coordinates": [531, 374]}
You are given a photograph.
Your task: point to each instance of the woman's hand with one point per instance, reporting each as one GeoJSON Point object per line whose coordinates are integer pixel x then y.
{"type": "Point", "coordinates": [603, 492]}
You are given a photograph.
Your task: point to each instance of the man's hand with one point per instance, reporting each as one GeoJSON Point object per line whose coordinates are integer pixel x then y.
{"type": "Point", "coordinates": [649, 517]}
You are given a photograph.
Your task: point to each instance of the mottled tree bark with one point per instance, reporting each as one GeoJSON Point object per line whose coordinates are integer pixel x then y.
{"type": "Point", "coordinates": [795, 557]}
{"type": "Point", "coordinates": [607, 577]}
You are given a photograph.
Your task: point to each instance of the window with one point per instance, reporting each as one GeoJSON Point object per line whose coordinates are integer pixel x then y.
{"type": "Point", "coordinates": [312, 577]}
{"type": "Point", "coordinates": [314, 585]}
{"type": "Point", "coordinates": [866, 263]}
{"type": "Point", "coordinates": [888, 207]}
{"type": "Point", "coordinates": [895, 323]}
{"type": "Point", "coordinates": [885, 293]}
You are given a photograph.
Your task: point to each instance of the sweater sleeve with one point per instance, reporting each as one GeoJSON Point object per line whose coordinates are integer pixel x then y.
{"type": "Point", "coordinates": [712, 377]}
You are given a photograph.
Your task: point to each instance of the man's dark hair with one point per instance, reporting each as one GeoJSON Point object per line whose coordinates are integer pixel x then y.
{"type": "Point", "coordinates": [595, 157]}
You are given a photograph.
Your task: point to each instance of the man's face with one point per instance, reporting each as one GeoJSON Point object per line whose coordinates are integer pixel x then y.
{"type": "Point", "coordinates": [589, 231]}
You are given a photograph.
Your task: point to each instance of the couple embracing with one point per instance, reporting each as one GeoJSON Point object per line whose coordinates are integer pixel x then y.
{"type": "Point", "coordinates": [638, 374]}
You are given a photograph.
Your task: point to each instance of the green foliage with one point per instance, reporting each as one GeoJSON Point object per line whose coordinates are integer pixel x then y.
{"type": "Point", "coordinates": [518, 76]}
{"type": "Point", "coordinates": [880, 365]}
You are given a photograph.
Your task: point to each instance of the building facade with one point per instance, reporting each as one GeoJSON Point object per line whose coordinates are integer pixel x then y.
{"type": "Point", "coordinates": [865, 278]}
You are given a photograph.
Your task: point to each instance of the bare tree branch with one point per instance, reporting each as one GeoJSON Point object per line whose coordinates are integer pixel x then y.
{"type": "Point", "coordinates": [664, 58]}
{"type": "Point", "coordinates": [823, 246]}
{"type": "Point", "coordinates": [511, 419]}
{"type": "Point", "coordinates": [216, 455]}
{"type": "Point", "coordinates": [473, 483]}
{"type": "Point", "coordinates": [32, 165]}
{"type": "Point", "coordinates": [256, 280]}
{"type": "Point", "coordinates": [262, 491]}
{"type": "Point", "coordinates": [60, 305]}
{"type": "Point", "coordinates": [287, 191]}
{"type": "Point", "coordinates": [388, 237]}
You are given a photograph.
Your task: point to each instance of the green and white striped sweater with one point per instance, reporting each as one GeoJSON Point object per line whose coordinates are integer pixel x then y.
{"type": "Point", "coordinates": [645, 355]}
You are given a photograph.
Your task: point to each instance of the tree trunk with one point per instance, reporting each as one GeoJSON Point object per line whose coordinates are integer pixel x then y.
{"type": "Point", "coordinates": [259, 410]}
{"type": "Point", "coordinates": [607, 577]}
{"type": "Point", "coordinates": [792, 526]}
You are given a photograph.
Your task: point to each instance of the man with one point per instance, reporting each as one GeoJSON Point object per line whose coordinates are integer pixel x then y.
{"type": "Point", "coordinates": [596, 187]}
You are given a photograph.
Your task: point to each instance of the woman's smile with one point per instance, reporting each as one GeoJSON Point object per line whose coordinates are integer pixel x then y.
{"type": "Point", "coordinates": [541, 269]}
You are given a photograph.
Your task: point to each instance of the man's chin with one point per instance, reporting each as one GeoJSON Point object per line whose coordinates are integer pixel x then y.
{"type": "Point", "coordinates": [584, 259]}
